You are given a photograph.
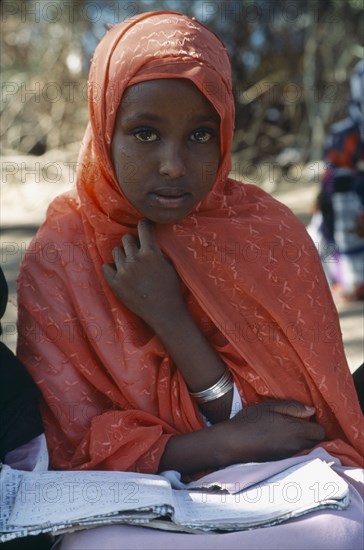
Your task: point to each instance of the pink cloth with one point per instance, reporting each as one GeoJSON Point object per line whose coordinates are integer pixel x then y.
{"type": "Point", "coordinates": [32, 455]}
{"type": "Point", "coordinates": [327, 529]}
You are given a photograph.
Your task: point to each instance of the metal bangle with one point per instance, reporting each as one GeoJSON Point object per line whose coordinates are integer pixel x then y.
{"type": "Point", "coordinates": [222, 386]}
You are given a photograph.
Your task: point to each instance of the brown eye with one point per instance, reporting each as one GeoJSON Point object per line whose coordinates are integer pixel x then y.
{"type": "Point", "coordinates": [201, 136]}
{"type": "Point", "coordinates": [146, 135]}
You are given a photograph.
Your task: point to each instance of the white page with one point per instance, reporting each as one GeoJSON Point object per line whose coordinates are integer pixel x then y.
{"type": "Point", "coordinates": [237, 477]}
{"type": "Point", "coordinates": [60, 497]}
{"type": "Point", "coordinates": [9, 484]}
{"type": "Point", "coordinates": [302, 487]}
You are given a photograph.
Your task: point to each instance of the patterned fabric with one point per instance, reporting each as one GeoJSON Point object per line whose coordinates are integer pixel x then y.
{"type": "Point", "coordinates": [251, 278]}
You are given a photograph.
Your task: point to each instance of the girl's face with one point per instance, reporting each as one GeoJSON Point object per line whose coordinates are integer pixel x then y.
{"type": "Point", "coordinates": [165, 148]}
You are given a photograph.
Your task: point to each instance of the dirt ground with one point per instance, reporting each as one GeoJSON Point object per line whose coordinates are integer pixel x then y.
{"type": "Point", "coordinates": [28, 184]}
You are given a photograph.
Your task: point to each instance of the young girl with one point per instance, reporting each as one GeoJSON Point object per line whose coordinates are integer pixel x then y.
{"type": "Point", "coordinates": [172, 317]}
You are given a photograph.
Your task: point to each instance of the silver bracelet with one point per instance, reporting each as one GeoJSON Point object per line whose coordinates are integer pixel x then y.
{"type": "Point", "coordinates": [219, 389]}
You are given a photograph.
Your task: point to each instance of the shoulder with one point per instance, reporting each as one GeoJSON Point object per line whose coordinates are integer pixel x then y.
{"type": "Point", "coordinates": [65, 210]}
{"type": "Point", "coordinates": [59, 234]}
{"type": "Point", "coordinates": [253, 199]}
{"type": "Point", "coordinates": [265, 216]}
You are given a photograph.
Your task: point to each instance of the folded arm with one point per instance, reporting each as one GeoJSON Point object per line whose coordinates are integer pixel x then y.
{"type": "Point", "coordinates": [146, 282]}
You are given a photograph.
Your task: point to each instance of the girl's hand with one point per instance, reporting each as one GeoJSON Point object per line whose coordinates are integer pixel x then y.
{"type": "Point", "coordinates": [147, 283]}
{"type": "Point", "coordinates": [272, 430]}
{"type": "Point", "coordinates": [143, 279]}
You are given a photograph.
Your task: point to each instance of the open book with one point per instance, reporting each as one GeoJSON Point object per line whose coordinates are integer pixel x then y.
{"type": "Point", "coordinates": [235, 498]}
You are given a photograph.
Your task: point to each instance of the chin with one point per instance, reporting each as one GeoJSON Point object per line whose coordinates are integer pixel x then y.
{"type": "Point", "coordinates": [164, 221]}
{"type": "Point", "coordinates": [167, 218]}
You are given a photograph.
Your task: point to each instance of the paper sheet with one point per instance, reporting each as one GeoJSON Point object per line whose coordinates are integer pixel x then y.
{"type": "Point", "coordinates": [59, 497]}
{"type": "Point", "coordinates": [302, 487]}
{"type": "Point", "coordinates": [33, 502]}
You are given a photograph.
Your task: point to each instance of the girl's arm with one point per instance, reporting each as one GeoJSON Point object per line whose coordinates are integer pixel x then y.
{"type": "Point", "coordinates": [272, 430]}
{"type": "Point", "coordinates": [197, 361]}
{"type": "Point", "coordinates": [146, 282]}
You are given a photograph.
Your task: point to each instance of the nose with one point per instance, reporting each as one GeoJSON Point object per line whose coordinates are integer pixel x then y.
{"type": "Point", "coordinates": [171, 162]}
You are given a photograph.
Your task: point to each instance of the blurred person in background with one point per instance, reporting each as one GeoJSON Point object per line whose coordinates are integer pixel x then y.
{"type": "Point", "coordinates": [337, 225]}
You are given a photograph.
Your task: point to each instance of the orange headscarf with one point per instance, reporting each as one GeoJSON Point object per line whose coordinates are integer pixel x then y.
{"type": "Point", "coordinates": [251, 279]}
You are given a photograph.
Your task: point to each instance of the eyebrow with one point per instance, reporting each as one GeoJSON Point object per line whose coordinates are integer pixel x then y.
{"type": "Point", "coordinates": [151, 117]}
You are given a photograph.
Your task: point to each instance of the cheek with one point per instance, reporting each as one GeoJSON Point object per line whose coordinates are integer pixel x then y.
{"type": "Point", "coordinates": [126, 168]}
{"type": "Point", "coordinates": [207, 169]}
{"type": "Point", "coordinates": [128, 173]}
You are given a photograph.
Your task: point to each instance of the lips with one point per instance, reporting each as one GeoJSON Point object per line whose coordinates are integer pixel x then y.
{"type": "Point", "coordinates": [169, 197]}
{"type": "Point", "coordinates": [170, 192]}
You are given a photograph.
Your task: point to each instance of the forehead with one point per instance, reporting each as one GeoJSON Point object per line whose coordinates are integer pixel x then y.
{"type": "Point", "coordinates": [169, 95]}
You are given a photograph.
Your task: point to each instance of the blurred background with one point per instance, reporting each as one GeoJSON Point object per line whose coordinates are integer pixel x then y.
{"type": "Point", "coordinates": [291, 61]}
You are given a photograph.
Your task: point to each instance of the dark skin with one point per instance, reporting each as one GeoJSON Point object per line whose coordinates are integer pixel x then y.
{"type": "Point", "coordinates": [147, 283]}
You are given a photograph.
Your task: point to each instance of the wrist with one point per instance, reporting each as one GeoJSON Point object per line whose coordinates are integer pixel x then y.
{"type": "Point", "coordinates": [196, 451]}
{"type": "Point", "coordinates": [173, 319]}
{"type": "Point", "coordinates": [221, 452]}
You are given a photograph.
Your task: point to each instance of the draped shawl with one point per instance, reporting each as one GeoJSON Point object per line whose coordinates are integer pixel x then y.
{"type": "Point", "coordinates": [250, 276]}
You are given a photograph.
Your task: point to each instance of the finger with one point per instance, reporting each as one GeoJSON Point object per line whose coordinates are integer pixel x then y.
{"type": "Point", "coordinates": [118, 255]}
{"type": "Point", "coordinates": [315, 432]}
{"type": "Point", "coordinates": [291, 408]}
{"type": "Point", "coordinates": [147, 237]}
{"type": "Point", "coordinates": [109, 272]}
{"type": "Point", "coordinates": [131, 247]}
